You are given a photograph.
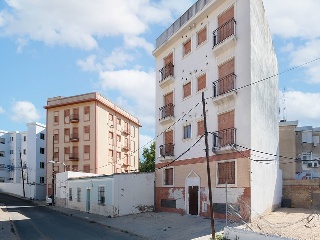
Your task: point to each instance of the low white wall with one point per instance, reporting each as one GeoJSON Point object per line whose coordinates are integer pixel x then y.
{"type": "Point", "coordinates": [31, 191]}
{"type": "Point", "coordinates": [239, 234]}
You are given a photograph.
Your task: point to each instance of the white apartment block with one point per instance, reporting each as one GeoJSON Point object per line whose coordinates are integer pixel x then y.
{"type": "Point", "coordinates": [24, 153]}
{"type": "Point", "coordinates": [89, 133]}
{"type": "Point", "coordinates": [222, 48]}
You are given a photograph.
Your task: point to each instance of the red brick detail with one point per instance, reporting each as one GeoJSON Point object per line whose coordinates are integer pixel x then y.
{"type": "Point", "coordinates": [187, 47]}
{"type": "Point", "coordinates": [168, 59]}
{"type": "Point", "coordinates": [220, 157]}
{"type": "Point", "coordinates": [187, 90]}
{"type": "Point", "coordinates": [202, 82]}
{"type": "Point", "coordinates": [202, 35]}
{"type": "Point", "coordinates": [163, 193]}
{"type": "Point", "coordinates": [226, 120]}
{"type": "Point", "coordinates": [200, 127]}
{"type": "Point", "coordinates": [224, 32]}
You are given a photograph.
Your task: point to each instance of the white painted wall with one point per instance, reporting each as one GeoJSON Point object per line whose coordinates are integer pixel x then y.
{"type": "Point", "coordinates": [124, 193]}
{"type": "Point", "coordinates": [266, 179]}
{"type": "Point", "coordinates": [239, 234]}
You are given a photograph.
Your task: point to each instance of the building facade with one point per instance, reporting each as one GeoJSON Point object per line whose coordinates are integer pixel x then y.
{"type": "Point", "coordinates": [224, 49]}
{"type": "Point", "coordinates": [112, 196]}
{"type": "Point", "coordinates": [301, 148]}
{"type": "Point", "coordinates": [89, 133]}
{"type": "Point", "coordinates": [23, 153]}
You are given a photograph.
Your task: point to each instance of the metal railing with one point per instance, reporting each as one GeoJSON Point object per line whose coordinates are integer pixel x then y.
{"type": "Point", "coordinates": [224, 31]}
{"type": "Point", "coordinates": [224, 85]}
{"type": "Point", "coordinates": [166, 111]}
{"type": "Point", "coordinates": [74, 156]}
{"type": "Point", "coordinates": [74, 137]}
{"type": "Point", "coordinates": [167, 149]}
{"type": "Point", "coordinates": [166, 71]}
{"type": "Point", "coordinates": [74, 118]}
{"type": "Point", "coordinates": [224, 137]}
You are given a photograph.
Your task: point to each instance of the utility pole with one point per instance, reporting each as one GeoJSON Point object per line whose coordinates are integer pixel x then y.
{"type": "Point", "coordinates": [213, 232]}
{"type": "Point", "coordinates": [53, 170]}
{"type": "Point", "coordinates": [24, 193]}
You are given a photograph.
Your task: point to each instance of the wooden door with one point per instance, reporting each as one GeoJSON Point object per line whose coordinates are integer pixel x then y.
{"type": "Point", "coordinates": [193, 200]}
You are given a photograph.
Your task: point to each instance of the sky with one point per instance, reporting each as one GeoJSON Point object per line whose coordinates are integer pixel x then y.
{"type": "Point", "coordinates": [64, 48]}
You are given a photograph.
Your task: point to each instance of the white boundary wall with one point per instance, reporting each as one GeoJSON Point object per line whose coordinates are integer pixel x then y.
{"type": "Point", "coordinates": [239, 234]}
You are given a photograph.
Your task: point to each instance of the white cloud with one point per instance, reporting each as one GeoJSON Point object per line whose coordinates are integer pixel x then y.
{"type": "Point", "coordinates": [303, 107]}
{"type": "Point", "coordinates": [89, 64]}
{"type": "Point", "coordinates": [137, 89]}
{"type": "Point", "coordinates": [2, 110]}
{"type": "Point", "coordinates": [134, 41]}
{"type": "Point", "coordinates": [79, 25]}
{"type": "Point", "coordinates": [118, 58]}
{"type": "Point", "coordinates": [24, 111]}
{"type": "Point", "coordinates": [145, 141]}
{"type": "Point", "coordinates": [294, 18]}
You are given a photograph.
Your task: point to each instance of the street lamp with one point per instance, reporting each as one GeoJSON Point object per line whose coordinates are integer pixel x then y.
{"type": "Point", "coordinates": [53, 162]}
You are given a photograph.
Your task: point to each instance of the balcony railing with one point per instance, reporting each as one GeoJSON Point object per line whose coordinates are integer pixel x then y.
{"type": "Point", "coordinates": [166, 71]}
{"type": "Point", "coordinates": [126, 130]}
{"type": "Point", "coordinates": [224, 85]}
{"type": "Point", "coordinates": [167, 150]}
{"type": "Point", "coordinates": [74, 137]}
{"type": "Point", "coordinates": [223, 138]}
{"type": "Point", "coordinates": [224, 31]}
{"type": "Point", "coordinates": [74, 118]}
{"type": "Point", "coordinates": [166, 111]}
{"type": "Point", "coordinates": [74, 156]}
{"type": "Point", "coordinates": [126, 147]}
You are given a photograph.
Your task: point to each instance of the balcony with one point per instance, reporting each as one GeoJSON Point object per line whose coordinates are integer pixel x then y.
{"type": "Point", "coordinates": [166, 152]}
{"type": "Point", "coordinates": [224, 141]}
{"type": "Point", "coordinates": [166, 114]}
{"type": "Point", "coordinates": [126, 131]}
{"type": "Point", "coordinates": [224, 89]}
{"type": "Point", "coordinates": [74, 137]}
{"type": "Point", "coordinates": [74, 118]}
{"type": "Point", "coordinates": [125, 147]}
{"type": "Point", "coordinates": [74, 157]}
{"type": "Point", "coordinates": [166, 75]}
{"type": "Point", "coordinates": [224, 37]}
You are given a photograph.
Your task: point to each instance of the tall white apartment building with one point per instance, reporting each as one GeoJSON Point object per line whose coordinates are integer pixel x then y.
{"type": "Point", "coordinates": [224, 49]}
{"type": "Point", "coordinates": [23, 154]}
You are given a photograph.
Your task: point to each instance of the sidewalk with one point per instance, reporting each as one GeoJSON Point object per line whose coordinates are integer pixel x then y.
{"type": "Point", "coordinates": [152, 225]}
{"type": "Point", "coordinates": [6, 229]}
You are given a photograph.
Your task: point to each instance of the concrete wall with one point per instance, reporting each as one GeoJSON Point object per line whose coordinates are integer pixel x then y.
{"type": "Point", "coordinates": [266, 179]}
{"type": "Point", "coordinates": [239, 234]}
{"type": "Point", "coordinates": [36, 191]}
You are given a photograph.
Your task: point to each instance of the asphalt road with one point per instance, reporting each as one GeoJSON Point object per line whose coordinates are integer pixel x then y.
{"type": "Point", "coordinates": [33, 222]}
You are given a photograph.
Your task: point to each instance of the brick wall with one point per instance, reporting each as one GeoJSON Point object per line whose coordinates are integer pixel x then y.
{"type": "Point", "coordinates": [301, 192]}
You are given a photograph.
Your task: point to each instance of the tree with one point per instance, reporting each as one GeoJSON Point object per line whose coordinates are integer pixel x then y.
{"type": "Point", "coordinates": [148, 162]}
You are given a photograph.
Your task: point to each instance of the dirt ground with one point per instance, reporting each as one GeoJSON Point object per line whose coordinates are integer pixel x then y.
{"type": "Point", "coordinates": [295, 223]}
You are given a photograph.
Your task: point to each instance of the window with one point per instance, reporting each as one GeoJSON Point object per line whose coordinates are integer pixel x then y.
{"type": "Point", "coordinates": [118, 156]}
{"type": "Point", "coordinates": [110, 118]}
{"type": "Point", "coordinates": [200, 127]}
{"type": "Point", "coordinates": [86, 148]}
{"type": "Point", "coordinates": [2, 140]}
{"type": "Point", "coordinates": [42, 136]}
{"type": "Point", "coordinates": [41, 150]}
{"type": "Point", "coordinates": [202, 82]}
{"type": "Point", "coordinates": [226, 172]}
{"type": "Point", "coordinates": [56, 118]}
{"type": "Point", "coordinates": [202, 36]}
{"type": "Point", "coordinates": [2, 154]}
{"type": "Point", "coordinates": [110, 153]}
{"type": "Point", "coordinates": [187, 47]}
{"type": "Point", "coordinates": [86, 109]}
{"type": "Point", "coordinates": [41, 164]}
{"type": "Point", "coordinates": [187, 131]}
{"type": "Point", "coordinates": [101, 197]}
{"type": "Point", "coordinates": [11, 151]}
{"type": "Point", "coordinates": [70, 194]}
{"type": "Point", "coordinates": [67, 150]}
{"type": "Point", "coordinates": [24, 138]}
{"type": "Point", "coordinates": [118, 140]}
{"type": "Point", "coordinates": [66, 112]}
{"type": "Point", "coordinates": [24, 151]}
{"type": "Point", "coordinates": [11, 139]}
{"type": "Point", "coordinates": [41, 179]}
{"type": "Point", "coordinates": [187, 90]}
{"type": "Point", "coordinates": [78, 194]}
{"type": "Point", "coordinates": [86, 129]}
{"type": "Point", "coordinates": [168, 177]}
{"type": "Point", "coordinates": [119, 121]}
{"type": "Point", "coordinates": [86, 168]}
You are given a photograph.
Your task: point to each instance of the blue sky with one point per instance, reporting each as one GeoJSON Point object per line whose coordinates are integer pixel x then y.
{"type": "Point", "coordinates": [63, 48]}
